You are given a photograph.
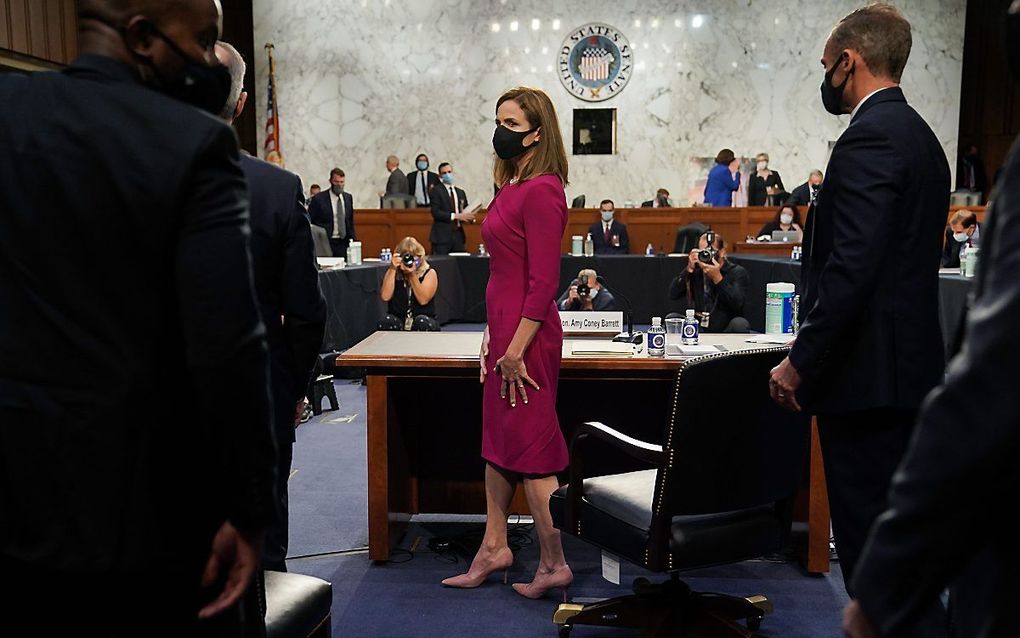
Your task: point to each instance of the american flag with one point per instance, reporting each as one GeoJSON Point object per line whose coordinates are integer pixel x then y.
{"type": "Point", "coordinates": [595, 64]}
{"type": "Point", "coordinates": [271, 149]}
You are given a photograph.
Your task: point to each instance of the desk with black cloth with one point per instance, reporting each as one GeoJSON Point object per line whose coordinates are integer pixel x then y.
{"type": "Point", "coordinates": [354, 307]}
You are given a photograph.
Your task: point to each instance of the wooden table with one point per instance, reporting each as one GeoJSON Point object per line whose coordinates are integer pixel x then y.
{"type": "Point", "coordinates": [424, 425]}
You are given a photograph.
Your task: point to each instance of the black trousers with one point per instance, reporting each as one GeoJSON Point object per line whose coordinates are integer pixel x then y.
{"type": "Point", "coordinates": [274, 550]}
{"type": "Point", "coordinates": [456, 244]}
{"type": "Point", "coordinates": [861, 451]}
{"type": "Point", "coordinates": [421, 323]}
{"type": "Point", "coordinates": [339, 247]}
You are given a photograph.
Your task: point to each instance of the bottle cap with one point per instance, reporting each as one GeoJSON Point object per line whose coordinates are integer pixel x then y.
{"type": "Point", "coordinates": [690, 313]}
{"type": "Point", "coordinates": [656, 321]}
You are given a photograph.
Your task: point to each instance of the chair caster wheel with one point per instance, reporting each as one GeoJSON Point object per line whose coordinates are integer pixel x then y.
{"type": "Point", "coordinates": [565, 631]}
{"type": "Point", "coordinates": [754, 624]}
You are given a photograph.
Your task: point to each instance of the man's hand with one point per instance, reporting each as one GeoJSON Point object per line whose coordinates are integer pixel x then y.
{"type": "Point", "coordinates": [234, 558]}
{"type": "Point", "coordinates": [856, 624]}
{"type": "Point", "coordinates": [783, 384]}
{"type": "Point", "coordinates": [713, 271]}
{"type": "Point", "coordinates": [572, 295]}
{"type": "Point", "coordinates": [692, 260]}
{"type": "Point", "coordinates": [468, 216]}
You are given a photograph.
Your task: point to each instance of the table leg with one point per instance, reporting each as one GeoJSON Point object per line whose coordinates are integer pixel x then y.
{"type": "Point", "coordinates": [378, 469]}
{"type": "Point", "coordinates": [818, 509]}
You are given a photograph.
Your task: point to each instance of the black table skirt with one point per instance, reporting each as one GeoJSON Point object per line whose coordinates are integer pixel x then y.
{"type": "Point", "coordinates": [354, 307]}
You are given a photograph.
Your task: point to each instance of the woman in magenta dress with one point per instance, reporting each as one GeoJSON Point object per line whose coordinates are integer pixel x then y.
{"type": "Point", "coordinates": [521, 348]}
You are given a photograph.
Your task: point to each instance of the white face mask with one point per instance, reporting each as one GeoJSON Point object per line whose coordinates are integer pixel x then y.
{"type": "Point", "coordinates": [607, 215]}
{"type": "Point", "coordinates": [786, 218]}
{"type": "Point", "coordinates": [961, 237]}
{"type": "Point", "coordinates": [762, 165]}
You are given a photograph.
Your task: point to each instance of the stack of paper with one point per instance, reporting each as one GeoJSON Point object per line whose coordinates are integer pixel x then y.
{"type": "Point", "coordinates": [601, 348]}
{"type": "Point", "coordinates": [679, 350]}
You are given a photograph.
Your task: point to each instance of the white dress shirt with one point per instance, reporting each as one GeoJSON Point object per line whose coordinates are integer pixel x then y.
{"type": "Point", "coordinates": [866, 98]}
{"type": "Point", "coordinates": [339, 215]}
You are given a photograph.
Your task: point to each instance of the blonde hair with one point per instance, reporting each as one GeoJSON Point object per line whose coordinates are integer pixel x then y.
{"type": "Point", "coordinates": [413, 246]}
{"type": "Point", "coordinates": [550, 157]}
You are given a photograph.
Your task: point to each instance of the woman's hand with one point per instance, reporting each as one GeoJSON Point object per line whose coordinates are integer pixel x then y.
{"type": "Point", "coordinates": [483, 354]}
{"type": "Point", "coordinates": [396, 261]}
{"type": "Point", "coordinates": [515, 376]}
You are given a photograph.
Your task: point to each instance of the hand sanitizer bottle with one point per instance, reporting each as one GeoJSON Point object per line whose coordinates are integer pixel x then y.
{"type": "Point", "coordinates": [589, 246]}
{"type": "Point", "coordinates": [649, 250]}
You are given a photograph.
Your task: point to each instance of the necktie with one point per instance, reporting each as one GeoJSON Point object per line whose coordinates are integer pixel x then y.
{"type": "Point", "coordinates": [605, 234]}
{"type": "Point", "coordinates": [340, 219]}
{"type": "Point", "coordinates": [424, 186]}
{"type": "Point", "coordinates": [453, 200]}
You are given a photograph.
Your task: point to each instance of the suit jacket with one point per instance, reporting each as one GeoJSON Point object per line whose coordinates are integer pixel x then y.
{"type": "Point", "coordinates": [723, 301]}
{"type": "Point", "coordinates": [97, 167]}
{"type": "Point", "coordinates": [603, 301]}
{"type": "Point", "coordinates": [432, 182]}
{"type": "Point", "coordinates": [396, 183]}
{"type": "Point", "coordinates": [286, 283]}
{"type": "Point", "coordinates": [870, 337]}
{"type": "Point", "coordinates": [756, 193]}
{"type": "Point", "coordinates": [443, 227]}
{"type": "Point", "coordinates": [599, 240]}
{"type": "Point", "coordinates": [320, 211]}
{"type": "Point", "coordinates": [951, 248]}
{"type": "Point", "coordinates": [801, 196]}
{"type": "Point", "coordinates": [944, 523]}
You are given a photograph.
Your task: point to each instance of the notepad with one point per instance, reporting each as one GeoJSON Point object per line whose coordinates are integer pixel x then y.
{"type": "Point", "coordinates": [601, 348]}
{"type": "Point", "coordinates": [781, 340]}
{"type": "Point", "coordinates": [679, 350]}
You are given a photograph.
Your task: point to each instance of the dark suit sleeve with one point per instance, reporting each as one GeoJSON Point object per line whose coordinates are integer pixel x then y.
{"type": "Point", "coordinates": [779, 181]}
{"type": "Point", "coordinates": [304, 309]}
{"type": "Point", "coordinates": [351, 229]}
{"type": "Point", "coordinates": [410, 182]}
{"type": "Point", "coordinates": [950, 251]}
{"type": "Point", "coordinates": [732, 290]}
{"type": "Point", "coordinates": [225, 341]}
{"type": "Point", "coordinates": [440, 210]}
{"type": "Point", "coordinates": [867, 199]}
{"type": "Point", "coordinates": [961, 468]}
{"type": "Point", "coordinates": [315, 212]}
{"type": "Point", "coordinates": [560, 303]}
{"type": "Point", "coordinates": [624, 240]}
{"type": "Point", "coordinates": [678, 286]}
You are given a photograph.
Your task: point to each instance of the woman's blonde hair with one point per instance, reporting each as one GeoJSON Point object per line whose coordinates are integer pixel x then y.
{"type": "Point", "coordinates": [550, 157]}
{"type": "Point", "coordinates": [413, 246]}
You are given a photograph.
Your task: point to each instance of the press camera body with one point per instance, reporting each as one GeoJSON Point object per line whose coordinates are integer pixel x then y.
{"type": "Point", "coordinates": [410, 260]}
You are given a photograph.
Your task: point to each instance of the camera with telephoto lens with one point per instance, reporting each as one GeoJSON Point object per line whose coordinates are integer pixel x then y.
{"type": "Point", "coordinates": [583, 289]}
{"type": "Point", "coordinates": [410, 260]}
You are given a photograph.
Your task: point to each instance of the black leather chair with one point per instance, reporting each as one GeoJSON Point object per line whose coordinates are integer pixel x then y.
{"type": "Point", "coordinates": [724, 477]}
{"type": "Point", "coordinates": [578, 202]}
{"type": "Point", "coordinates": [687, 237]}
{"type": "Point", "coordinates": [297, 606]}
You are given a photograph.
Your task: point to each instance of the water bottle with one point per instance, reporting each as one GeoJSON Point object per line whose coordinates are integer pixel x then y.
{"type": "Point", "coordinates": [481, 250]}
{"type": "Point", "coordinates": [689, 331]}
{"type": "Point", "coordinates": [589, 246]}
{"type": "Point", "coordinates": [796, 314]}
{"type": "Point", "coordinates": [649, 250]}
{"type": "Point", "coordinates": [656, 338]}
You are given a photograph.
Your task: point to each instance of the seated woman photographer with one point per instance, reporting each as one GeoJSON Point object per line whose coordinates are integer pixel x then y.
{"type": "Point", "coordinates": [409, 286]}
{"type": "Point", "coordinates": [713, 286]}
{"type": "Point", "coordinates": [787, 218]}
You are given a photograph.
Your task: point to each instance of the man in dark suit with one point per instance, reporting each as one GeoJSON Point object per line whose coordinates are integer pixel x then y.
{"type": "Point", "coordinates": [806, 193]}
{"type": "Point", "coordinates": [421, 181]}
{"type": "Point", "coordinates": [586, 293]}
{"type": "Point", "coordinates": [609, 237]}
{"type": "Point", "coordinates": [661, 200]}
{"type": "Point", "coordinates": [448, 214]}
{"type": "Point", "coordinates": [715, 288]}
{"type": "Point", "coordinates": [333, 210]}
{"type": "Point", "coordinates": [944, 524]}
{"type": "Point", "coordinates": [963, 231]}
{"type": "Point", "coordinates": [396, 183]}
{"type": "Point", "coordinates": [869, 348]}
{"type": "Point", "coordinates": [287, 287]}
{"type": "Point", "coordinates": [154, 511]}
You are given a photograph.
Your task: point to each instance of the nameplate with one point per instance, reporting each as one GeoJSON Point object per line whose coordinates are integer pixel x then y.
{"type": "Point", "coordinates": [591, 322]}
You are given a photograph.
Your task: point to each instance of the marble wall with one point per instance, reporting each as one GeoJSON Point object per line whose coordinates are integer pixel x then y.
{"type": "Point", "coordinates": [360, 79]}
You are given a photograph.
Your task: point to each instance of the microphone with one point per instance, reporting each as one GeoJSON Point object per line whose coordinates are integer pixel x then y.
{"type": "Point", "coordinates": [629, 336]}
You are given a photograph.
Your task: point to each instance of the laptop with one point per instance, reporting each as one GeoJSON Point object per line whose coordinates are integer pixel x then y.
{"type": "Point", "coordinates": [784, 235]}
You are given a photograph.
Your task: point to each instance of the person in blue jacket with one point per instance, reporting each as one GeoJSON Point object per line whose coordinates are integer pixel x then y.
{"type": "Point", "coordinates": [723, 179]}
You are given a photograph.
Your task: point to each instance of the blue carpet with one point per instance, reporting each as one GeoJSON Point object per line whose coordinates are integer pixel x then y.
{"type": "Point", "coordinates": [328, 496]}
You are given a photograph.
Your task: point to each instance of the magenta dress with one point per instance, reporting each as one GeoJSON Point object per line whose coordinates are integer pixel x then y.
{"type": "Point", "coordinates": [522, 232]}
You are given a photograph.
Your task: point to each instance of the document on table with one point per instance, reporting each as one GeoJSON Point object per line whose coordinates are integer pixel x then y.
{"type": "Point", "coordinates": [679, 350]}
{"type": "Point", "coordinates": [602, 348]}
{"type": "Point", "coordinates": [781, 340]}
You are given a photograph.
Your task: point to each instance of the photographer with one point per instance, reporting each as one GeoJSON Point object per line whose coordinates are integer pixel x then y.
{"type": "Point", "coordinates": [409, 286]}
{"type": "Point", "coordinates": [713, 287]}
{"type": "Point", "coordinates": [586, 293]}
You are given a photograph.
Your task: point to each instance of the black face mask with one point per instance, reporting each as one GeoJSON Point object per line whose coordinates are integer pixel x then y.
{"type": "Point", "coordinates": [1011, 43]}
{"type": "Point", "coordinates": [510, 144]}
{"type": "Point", "coordinates": [204, 87]}
{"type": "Point", "coordinates": [832, 96]}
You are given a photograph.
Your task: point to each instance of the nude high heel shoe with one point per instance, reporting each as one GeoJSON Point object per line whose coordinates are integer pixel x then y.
{"type": "Point", "coordinates": [561, 578]}
{"type": "Point", "coordinates": [480, 570]}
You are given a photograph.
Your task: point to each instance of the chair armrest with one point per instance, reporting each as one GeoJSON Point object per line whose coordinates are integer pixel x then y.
{"type": "Point", "coordinates": [640, 450]}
